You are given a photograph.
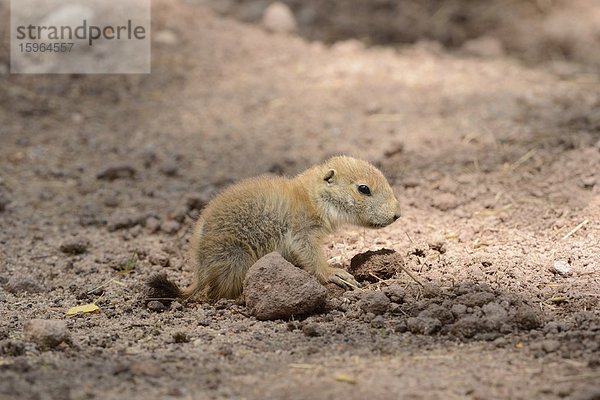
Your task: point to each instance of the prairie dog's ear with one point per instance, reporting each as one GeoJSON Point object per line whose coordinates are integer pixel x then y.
{"type": "Point", "coordinates": [329, 176]}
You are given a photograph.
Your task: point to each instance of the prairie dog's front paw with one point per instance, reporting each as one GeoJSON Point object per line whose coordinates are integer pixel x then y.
{"type": "Point", "coordinates": [342, 278]}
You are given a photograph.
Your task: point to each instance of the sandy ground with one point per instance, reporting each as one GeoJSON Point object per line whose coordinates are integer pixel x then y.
{"type": "Point", "coordinates": [495, 162]}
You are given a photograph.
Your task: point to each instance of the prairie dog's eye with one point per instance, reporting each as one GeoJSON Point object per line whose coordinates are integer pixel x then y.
{"type": "Point", "coordinates": [364, 189]}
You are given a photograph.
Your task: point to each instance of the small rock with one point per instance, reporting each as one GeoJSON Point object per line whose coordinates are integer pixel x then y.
{"type": "Point", "coordinates": [170, 226]}
{"type": "Point", "coordinates": [279, 18]}
{"type": "Point", "coordinates": [152, 224]}
{"type": "Point", "coordinates": [562, 268]}
{"type": "Point", "coordinates": [169, 167]}
{"type": "Point", "coordinates": [74, 246]}
{"type": "Point", "coordinates": [589, 182]}
{"type": "Point", "coordinates": [394, 150]}
{"type": "Point", "coordinates": [176, 306]}
{"type": "Point", "coordinates": [111, 199]}
{"type": "Point", "coordinates": [117, 171]}
{"type": "Point", "coordinates": [159, 259]}
{"type": "Point", "coordinates": [155, 305]}
{"type": "Point", "coordinates": [179, 213]}
{"type": "Point", "coordinates": [550, 345]}
{"type": "Point", "coordinates": [438, 244]}
{"type": "Point", "coordinates": [46, 333]}
{"type": "Point", "coordinates": [395, 293]}
{"type": "Point", "coordinates": [274, 288]}
{"type": "Point", "coordinates": [311, 330]}
{"type": "Point", "coordinates": [180, 337]}
{"type": "Point", "coordinates": [23, 283]}
{"type": "Point", "coordinates": [375, 302]}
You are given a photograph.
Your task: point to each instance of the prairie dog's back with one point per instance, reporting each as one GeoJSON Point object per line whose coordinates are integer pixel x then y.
{"type": "Point", "coordinates": [256, 211]}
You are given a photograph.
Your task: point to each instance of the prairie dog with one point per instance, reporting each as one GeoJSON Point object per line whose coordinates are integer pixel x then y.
{"type": "Point", "coordinates": [292, 216]}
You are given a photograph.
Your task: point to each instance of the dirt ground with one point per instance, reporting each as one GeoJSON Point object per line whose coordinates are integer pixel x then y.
{"type": "Point", "coordinates": [494, 155]}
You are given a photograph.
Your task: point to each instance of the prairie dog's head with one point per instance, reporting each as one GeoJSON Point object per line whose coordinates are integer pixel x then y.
{"type": "Point", "coordinates": [354, 191]}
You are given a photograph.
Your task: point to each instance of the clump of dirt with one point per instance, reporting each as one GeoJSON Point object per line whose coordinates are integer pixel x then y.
{"type": "Point", "coordinates": [375, 265]}
{"type": "Point", "coordinates": [468, 311]}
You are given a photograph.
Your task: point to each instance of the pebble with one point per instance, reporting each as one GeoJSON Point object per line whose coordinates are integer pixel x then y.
{"type": "Point", "coordinates": [279, 18]}
{"type": "Point", "coordinates": [311, 330]}
{"type": "Point", "coordinates": [159, 259]}
{"type": "Point", "coordinates": [155, 305]}
{"type": "Point", "coordinates": [562, 268]}
{"type": "Point", "coordinates": [46, 333]}
{"type": "Point", "coordinates": [375, 302]}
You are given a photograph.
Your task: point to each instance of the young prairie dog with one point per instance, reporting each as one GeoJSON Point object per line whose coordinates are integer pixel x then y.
{"type": "Point", "coordinates": [292, 216]}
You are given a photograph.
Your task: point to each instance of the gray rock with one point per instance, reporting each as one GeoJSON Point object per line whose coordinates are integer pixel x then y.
{"type": "Point", "coordinates": [276, 289]}
{"type": "Point", "coordinates": [23, 283]}
{"type": "Point", "coordinates": [46, 333]}
{"type": "Point", "coordinates": [374, 302]}
{"type": "Point", "coordinates": [279, 18]}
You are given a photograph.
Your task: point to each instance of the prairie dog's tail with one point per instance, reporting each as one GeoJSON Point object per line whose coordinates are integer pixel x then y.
{"type": "Point", "coordinates": [166, 291]}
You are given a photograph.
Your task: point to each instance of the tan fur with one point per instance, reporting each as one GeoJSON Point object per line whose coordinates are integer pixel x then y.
{"type": "Point", "coordinates": [292, 216]}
